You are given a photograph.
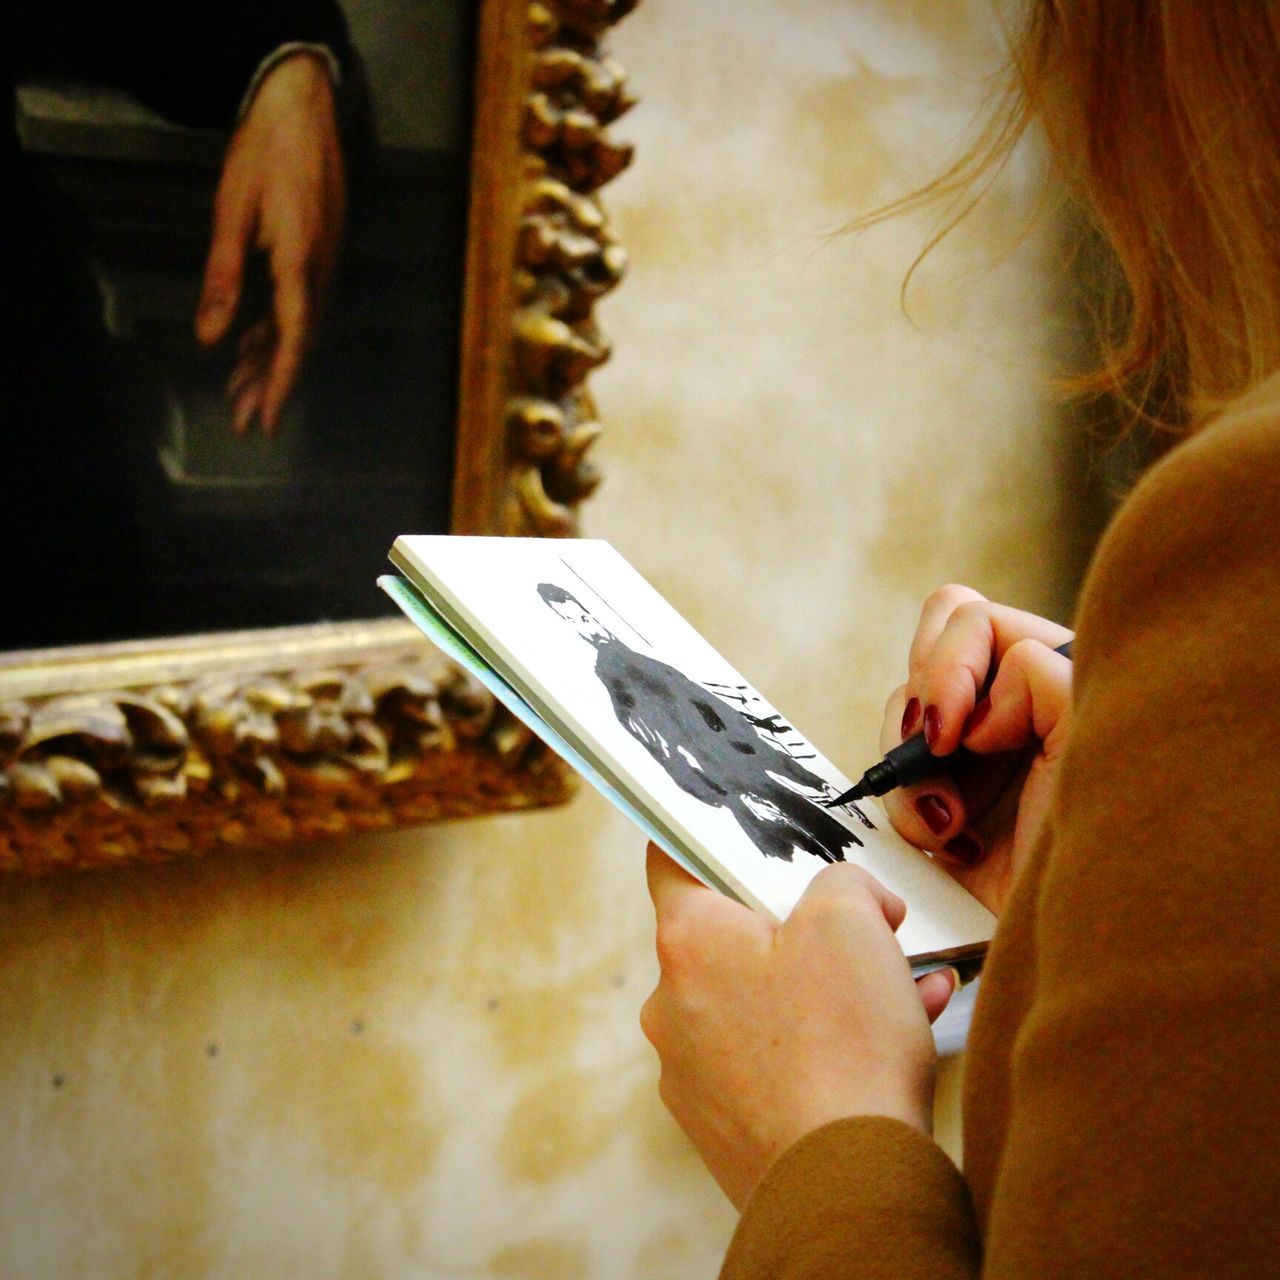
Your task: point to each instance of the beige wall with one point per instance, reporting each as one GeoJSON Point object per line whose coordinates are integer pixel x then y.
{"type": "Point", "coordinates": [417, 1055]}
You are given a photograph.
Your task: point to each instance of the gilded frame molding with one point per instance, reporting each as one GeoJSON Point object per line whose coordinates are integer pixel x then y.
{"type": "Point", "coordinates": [143, 750]}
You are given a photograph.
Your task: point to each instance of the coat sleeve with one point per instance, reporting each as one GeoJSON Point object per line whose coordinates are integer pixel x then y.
{"type": "Point", "coordinates": [1143, 1121]}
{"type": "Point", "coordinates": [1143, 1131]}
{"type": "Point", "coordinates": [191, 61]}
{"type": "Point", "coordinates": [863, 1197]}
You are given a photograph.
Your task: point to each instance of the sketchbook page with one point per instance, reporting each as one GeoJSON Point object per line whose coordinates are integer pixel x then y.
{"type": "Point", "coordinates": [561, 738]}
{"type": "Point", "coordinates": [452, 645]}
{"type": "Point", "coordinates": [591, 645]}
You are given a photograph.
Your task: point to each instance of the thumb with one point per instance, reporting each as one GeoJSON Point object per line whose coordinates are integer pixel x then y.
{"type": "Point", "coordinates": [224, 270]}
{"type": "Point", "coordinates": [668, 881]}
{"type": "Point", "coordinates": [847, 884]}
{"type": "Point", "coordinates": [936, 990]}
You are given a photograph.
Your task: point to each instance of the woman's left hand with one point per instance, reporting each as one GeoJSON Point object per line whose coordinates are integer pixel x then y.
{"type": "Point", "coordinates": [766, 1032]}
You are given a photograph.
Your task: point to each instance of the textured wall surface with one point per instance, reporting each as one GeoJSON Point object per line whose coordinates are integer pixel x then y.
{"type": "Point", "coordinates": [417, 1055]}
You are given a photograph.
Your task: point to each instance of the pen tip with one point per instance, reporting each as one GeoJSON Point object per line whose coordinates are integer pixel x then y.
{"type": "Point", "coordinates": [847, 797]}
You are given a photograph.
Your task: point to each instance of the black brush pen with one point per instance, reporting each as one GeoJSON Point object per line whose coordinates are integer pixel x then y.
{"type": "Point", "coordinates": [908, 763]}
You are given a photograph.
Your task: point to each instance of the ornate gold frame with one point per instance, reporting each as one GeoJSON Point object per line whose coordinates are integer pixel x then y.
{"type": "Point", "coordinates": [144, 750]}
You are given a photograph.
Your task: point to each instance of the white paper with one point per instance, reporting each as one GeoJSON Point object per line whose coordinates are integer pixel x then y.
{"type": "Point", "coordinates": [601, 655]}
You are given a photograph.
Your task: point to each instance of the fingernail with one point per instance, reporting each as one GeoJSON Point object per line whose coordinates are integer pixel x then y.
{"type": "Point", "coordinates": [932, 725]}
{"type": "Point", "coordinates": [976, 717]}
{"type": "Point", "coordinates": [956, 980]}
{"type": "Point", "coordinates": [934, 813]}
{"type": "Point", "coordinates": [910, 718]}
{"type": "Point", "coordinates": [963, 848]}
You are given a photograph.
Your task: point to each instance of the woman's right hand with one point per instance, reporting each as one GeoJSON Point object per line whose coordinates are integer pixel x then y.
{"type": "Point", "coordinates": [982, 818]}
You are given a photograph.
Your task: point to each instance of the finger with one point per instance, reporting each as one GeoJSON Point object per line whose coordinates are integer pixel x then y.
{"type": "Point", "coordinates": [247, 405]}
{"type": "Point", "coordinates": [668, 881]}
{"type": "Point", "coordinates": [696, 925]}
{"type": "Point", "coordinates": [291, 308]}
{"type": "Point", "coordinates": [976, 636]}
{"type": "Point", "coordinates": [936, 990]}
{"type": "Point", "coordinates": [891, 727]}
{"type": "Point", "coordinates": [260, 336]}
{"type": "Point", "coordinates": [233, 223]}
{"type": "Point", "coordinates": [841, 885]}
{"type": "Point", "coordinates": [934, 615]}
{"type": "Point", "coordinates": [249, 368]}
{"type": "Point", "coordinates": [931, 812]}
{"type": "Point", "coordinates": [1028, 702]}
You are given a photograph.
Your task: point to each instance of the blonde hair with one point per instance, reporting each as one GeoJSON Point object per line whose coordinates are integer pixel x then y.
{"type": "Point", "coordinates": [1163, 119]}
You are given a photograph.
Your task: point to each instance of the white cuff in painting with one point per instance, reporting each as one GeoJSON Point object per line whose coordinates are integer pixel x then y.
{"type": "Point", "coordinates": [276, 57]}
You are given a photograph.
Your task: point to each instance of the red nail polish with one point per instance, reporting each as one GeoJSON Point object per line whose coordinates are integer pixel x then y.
{"type": "Point", "coordinates": [932, 725]}
{"type": "Point", "coordinates": [934, 812]}
{"type": "Point", "coordinates": [910, 718]}
{"type": "Point", "coordinates": [976, 717]}
{"type": "Point", "coordinates": [963, 848]}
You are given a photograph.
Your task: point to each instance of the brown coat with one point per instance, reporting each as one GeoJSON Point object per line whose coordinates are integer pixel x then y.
{"type": "Point", "coordinates": [1122, 1103]}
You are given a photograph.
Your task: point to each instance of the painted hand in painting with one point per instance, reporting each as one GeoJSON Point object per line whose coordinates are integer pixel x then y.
{"type": "Point", "coordinates": [282, 191]}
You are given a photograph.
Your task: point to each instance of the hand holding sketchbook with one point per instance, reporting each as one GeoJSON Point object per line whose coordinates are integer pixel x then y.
{"type": "Point", "coordinates": [575, 643]}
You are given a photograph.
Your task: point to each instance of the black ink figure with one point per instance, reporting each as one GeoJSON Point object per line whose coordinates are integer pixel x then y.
{"type": "Point", "coordinates": [709, 747]}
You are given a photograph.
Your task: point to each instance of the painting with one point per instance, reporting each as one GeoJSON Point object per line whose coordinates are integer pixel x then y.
{"type": "Point", "coordinates": [292, 280]}
{"type": "Point", "coordinates": [264, 334]}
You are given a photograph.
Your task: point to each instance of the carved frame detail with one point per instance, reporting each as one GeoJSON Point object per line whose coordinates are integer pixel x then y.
{"type": "Point", "coordinates": [143, 751]}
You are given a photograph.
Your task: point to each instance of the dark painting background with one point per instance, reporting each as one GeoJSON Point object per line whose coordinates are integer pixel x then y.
{"type": "Point", "coordinates": [131, 508]}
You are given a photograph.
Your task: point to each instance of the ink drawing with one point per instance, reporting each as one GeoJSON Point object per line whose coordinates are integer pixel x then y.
{"type": "Point", "coordinates": [600, 656]}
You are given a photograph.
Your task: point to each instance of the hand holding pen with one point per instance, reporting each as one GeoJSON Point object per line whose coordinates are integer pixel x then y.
{"type": "Point", "coordinates": [985, 677]}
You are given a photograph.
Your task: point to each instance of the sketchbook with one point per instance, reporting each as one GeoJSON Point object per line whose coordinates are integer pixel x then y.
{"type": "Point", "coordinates": [576, 644]}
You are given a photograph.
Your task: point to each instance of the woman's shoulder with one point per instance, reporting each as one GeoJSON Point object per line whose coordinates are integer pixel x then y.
{"type": "Point", "coordinates": [1231, 444]}
{"type": "Point", "coordinates": [1203, 485]}
{"type": "Point", "coordinates": [1203, 523]}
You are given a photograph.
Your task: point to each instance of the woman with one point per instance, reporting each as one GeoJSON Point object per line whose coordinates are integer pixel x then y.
{"type": "Point", "coordinates": [1120, 1115]}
